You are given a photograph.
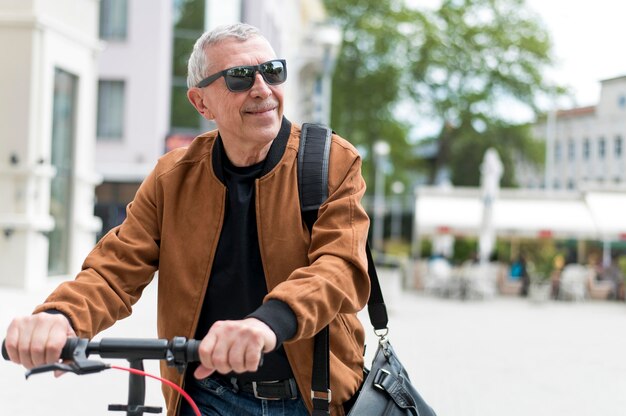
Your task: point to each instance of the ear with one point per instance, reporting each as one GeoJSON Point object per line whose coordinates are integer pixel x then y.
{"type": "Point", "coordinates": [196, 98]}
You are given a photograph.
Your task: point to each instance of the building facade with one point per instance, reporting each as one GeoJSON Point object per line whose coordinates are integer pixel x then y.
{"type": "Point", "coordinates": [47, 138]}
{"type": "Point", "coordinates": [94, 91]}
{"type": "Point", "coordinates": [133, 108]}
{"type": "Point", "coordinates": [584, 146]}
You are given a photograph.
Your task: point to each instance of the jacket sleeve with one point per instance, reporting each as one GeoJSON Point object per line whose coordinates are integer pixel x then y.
{"type": "Point", "coordinates": [336, 279]}
{"type": "Point", "coordinates": [116, 271]}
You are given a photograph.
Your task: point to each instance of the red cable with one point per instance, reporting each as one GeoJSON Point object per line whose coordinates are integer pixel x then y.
{"type": "Point", "coordinates": [164, 381]}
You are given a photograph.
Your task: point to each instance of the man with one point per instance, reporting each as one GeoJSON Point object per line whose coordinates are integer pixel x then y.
{"type": "Point", "coordinates": [238, 268]}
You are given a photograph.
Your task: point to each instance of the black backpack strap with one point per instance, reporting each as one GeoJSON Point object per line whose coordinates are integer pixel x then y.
{"type": "Point", "coordinates": [313, 156]}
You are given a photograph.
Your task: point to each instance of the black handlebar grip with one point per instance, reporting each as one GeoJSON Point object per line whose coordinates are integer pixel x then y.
{"type": "Point", "coordinates": [192, 353]}
{"type": "Point", "coordinates": [66, 353]}
{"type": "Point", "coordinates": [5, 354]}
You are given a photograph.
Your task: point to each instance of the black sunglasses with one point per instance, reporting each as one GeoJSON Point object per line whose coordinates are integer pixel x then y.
{"type": "Point", "coordinates": [241, 78]}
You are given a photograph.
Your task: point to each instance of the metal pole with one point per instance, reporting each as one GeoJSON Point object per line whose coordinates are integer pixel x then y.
{"type": "Point", "coordinates": [550, 140]}
{"type": "Point", "coordinates": [379, 205]}
{"type": "Point", "coordinates": [381, 149]}
{"type": "Point", "coordinates": [396, 213]}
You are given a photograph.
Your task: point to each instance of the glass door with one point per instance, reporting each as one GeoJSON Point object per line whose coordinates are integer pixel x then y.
{"type": "Point", "coordinates": [62, 156]}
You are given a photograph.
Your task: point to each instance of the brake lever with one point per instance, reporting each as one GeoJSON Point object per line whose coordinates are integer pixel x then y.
{"type": "Point", "coordinates": [79, 363]}
{"type": "Point", "coordinates": [80, 367]}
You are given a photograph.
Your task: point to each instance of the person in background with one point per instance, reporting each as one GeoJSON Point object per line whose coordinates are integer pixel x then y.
{"type": "Point", "coordinates": [221, 223]}
{"type": "Point", "coordinates": [613, 273]}
{"type": "Point", "coordinates": [519, 271]}
{"type": "Point", "coordinates": [555, 276]}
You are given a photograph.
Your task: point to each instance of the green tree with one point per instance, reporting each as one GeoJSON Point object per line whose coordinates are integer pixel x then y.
{"type": "Point", "coordinates": [458, 65]}
{"type": "Point", "coordinates": [367, 82]}
{"type": "Point", "coordinates": [510, 140]}
{"type": "Point", "coordinates": [188, 26]}
{"type": "Point", "coordinates": [474, 56]}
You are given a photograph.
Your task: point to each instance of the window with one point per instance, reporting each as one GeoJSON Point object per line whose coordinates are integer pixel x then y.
{"type": "Point", "coordinates": [601, 148]}
{"type": "Point", "coordinates": [586, 149]}
{"type": "Point", "coordinates": [571, 150]}
{"type": "Point", "coordinates": [112, 198]}
{"type": "Point", "coordinates": [617, 146]}
{"type": "Point", "coordinates": [110, 121]}
{"type": "Point", "coordinates": [621, 101]}
{"type": "Point", "coordinates": [557, 151]}
{"type": "Point", "coordinates": [113, 19]}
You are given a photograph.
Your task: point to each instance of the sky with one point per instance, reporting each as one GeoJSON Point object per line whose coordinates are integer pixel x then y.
{"type": "Point", "coordinates": [588, 39]}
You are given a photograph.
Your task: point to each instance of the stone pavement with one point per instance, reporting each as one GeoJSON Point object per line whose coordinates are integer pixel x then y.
{"type": "Point", "coordinates": [500, 357]}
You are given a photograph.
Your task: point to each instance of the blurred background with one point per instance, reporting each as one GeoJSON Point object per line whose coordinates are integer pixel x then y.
{"type": "Point", "coordinates": [492, 136]}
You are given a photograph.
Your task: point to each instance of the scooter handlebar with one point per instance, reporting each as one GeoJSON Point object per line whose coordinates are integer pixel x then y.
{"type": "Point", "coordinates": [184, 350]}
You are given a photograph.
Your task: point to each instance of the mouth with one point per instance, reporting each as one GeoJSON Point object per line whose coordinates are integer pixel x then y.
{"type": "Point", "coordinates": [261, 110]}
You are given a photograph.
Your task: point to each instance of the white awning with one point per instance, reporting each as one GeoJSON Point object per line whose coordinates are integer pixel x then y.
{"type": "Point", "coordinates": [516, 212]}
{"type": "Point", "coordinates": [438, 214]}
{"type": "Point", "coordinates": [534, 217]}
{"type": "Point", "coordinates": [608, 210]}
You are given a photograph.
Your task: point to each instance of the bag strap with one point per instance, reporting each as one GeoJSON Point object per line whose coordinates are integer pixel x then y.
{"type": "Point", "coordinates": [313, 159]}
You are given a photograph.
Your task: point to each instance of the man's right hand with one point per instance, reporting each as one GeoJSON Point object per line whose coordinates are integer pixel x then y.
{"type": "Point", "coordinates": [37, 339]}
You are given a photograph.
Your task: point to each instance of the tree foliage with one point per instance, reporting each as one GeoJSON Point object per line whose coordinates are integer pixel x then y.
{"type": "Point", "coordinates": [368, 80]}
{"type": "Point", "coordinates": [188, 26]}
{"type": "Point", "coordinates": [461, 65]}
{"type": "Point", "coordinates": [470, 147]}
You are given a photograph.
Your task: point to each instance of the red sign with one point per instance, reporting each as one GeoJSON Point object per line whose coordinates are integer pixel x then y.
{"type": "Point", "coordinates": [544, 234]}
{"type": "Point", "coordinates": [174, 141]}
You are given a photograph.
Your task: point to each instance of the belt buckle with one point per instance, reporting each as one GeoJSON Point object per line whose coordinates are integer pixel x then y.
{"type": "Point", "coordinates": [258, 396]}
{"type": "Point", "coordinates": [292, 390]}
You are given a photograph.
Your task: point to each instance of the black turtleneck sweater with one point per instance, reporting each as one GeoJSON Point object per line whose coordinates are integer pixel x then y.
{"type": "Point", "coordinates": [237, 284]}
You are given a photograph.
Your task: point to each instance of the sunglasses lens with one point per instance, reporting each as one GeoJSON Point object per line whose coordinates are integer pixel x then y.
{"type": "Point", "coordinates": [240, 78]}
{"type": "Point", "coordinates": [274, 72]}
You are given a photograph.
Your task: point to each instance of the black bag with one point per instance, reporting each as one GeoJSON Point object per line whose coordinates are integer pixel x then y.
{"type": "Point", "coordinates": [386, 388]}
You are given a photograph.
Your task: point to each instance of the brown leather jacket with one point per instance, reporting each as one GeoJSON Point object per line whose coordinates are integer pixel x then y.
{"type": "Point", "coordinates": [173, 226]}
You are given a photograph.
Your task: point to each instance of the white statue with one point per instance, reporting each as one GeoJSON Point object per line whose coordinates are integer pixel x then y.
{"type": "Point", "coordinates": [490, 173]}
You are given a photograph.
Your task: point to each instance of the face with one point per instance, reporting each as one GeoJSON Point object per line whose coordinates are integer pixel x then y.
{"type": "Point", "coordinates": [247, 119]}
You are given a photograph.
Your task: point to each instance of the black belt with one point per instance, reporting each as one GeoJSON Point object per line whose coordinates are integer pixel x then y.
{"type": "Point", "coordinates": [267, 390]}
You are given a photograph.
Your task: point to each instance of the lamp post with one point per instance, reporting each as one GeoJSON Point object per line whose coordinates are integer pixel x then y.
{"type": "Point", "coordinates": [396, 212]}
{"type": "Point", "coordinates": [330, 38]}
{"type": "Point", "coordinates": [381, 150]}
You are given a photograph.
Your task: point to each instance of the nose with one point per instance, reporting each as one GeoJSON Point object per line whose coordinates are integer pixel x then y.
{"type": "Point", "coordinates": [260, 88]}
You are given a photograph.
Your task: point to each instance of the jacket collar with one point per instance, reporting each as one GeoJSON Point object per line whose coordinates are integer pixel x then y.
{"type": "Point", "coordinates": [271, 160]}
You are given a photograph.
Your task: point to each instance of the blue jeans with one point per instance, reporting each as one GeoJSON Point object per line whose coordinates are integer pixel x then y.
{"type": "Point", "coordinates": [215, 397]}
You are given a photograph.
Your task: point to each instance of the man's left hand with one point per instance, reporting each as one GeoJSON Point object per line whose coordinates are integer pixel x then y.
{"type": "Point", "coordinates": [234, 346]}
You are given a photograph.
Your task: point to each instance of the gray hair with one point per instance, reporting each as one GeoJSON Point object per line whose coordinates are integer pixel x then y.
{"type": "Point", "coordinates": [197, 64]}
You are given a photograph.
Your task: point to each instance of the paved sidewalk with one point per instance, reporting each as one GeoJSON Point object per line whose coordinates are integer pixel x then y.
{"type": "Point", "coordinates": [501, 357]}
